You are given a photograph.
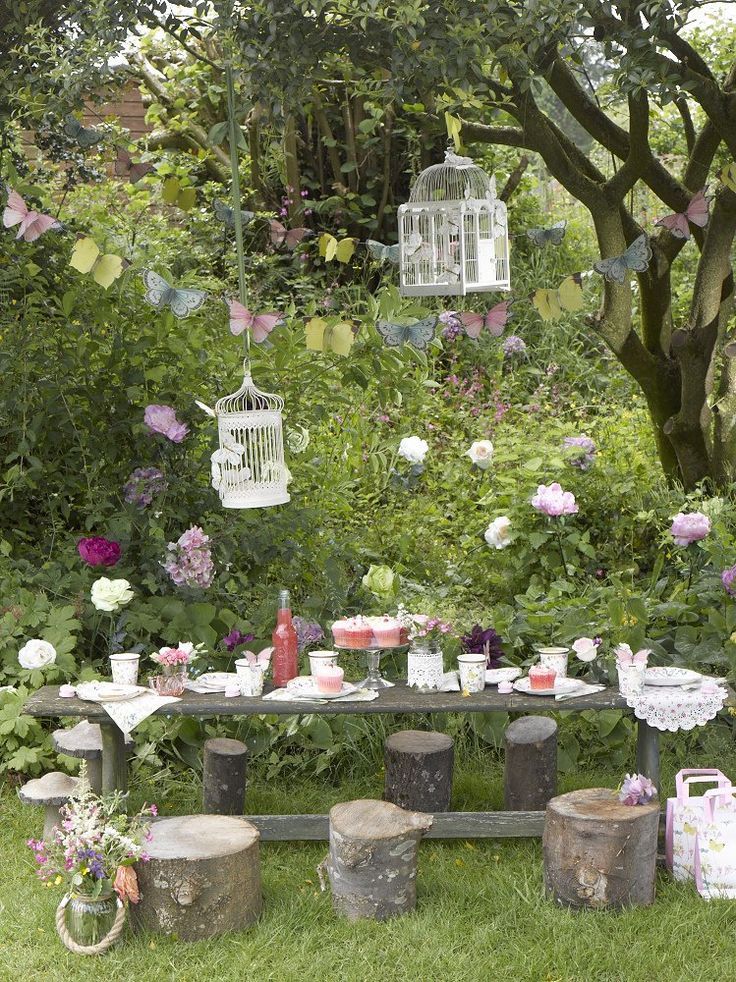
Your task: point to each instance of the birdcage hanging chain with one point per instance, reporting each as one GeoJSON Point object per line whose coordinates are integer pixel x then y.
{"type": "Point", "coordinates": [237, 215]}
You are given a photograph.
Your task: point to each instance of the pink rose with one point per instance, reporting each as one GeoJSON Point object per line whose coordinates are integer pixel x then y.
{"type": "Point", "coordinates": [553, 501]}
{"type": "Point", "coordinates": [162, 419]}
{"type": "Point", "coordinates": [99, 551]}
{"type": "Point", "coordinates": [687, 529]}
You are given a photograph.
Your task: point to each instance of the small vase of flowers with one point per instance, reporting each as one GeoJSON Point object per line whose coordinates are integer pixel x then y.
{"type": "Point", "coordinates": [425, 669]}
{"type": "Point", "coordinates": [174, 664]}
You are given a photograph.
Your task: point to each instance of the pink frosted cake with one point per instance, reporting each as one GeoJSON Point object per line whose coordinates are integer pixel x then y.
{"type": "Point", "coordinates": [358, 633]}
{"type": "Point", "coordinates": [329, 679]}
{"type": "Point", "coordinates": [339, 632]}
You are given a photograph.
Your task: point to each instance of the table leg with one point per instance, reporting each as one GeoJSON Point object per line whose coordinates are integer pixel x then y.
{"type": "Point", "coordinates": [114, 762]}
{"type": "Point", "coordinates": [647, 751]}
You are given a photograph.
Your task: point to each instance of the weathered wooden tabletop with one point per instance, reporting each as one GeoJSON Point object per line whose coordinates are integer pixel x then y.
{"type": "Point", "coordinates": [47, 703]}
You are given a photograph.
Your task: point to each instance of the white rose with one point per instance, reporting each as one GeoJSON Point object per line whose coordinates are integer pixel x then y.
{"type": "Point", "coordinates": [36, 654]}
{"type": "Point", "coordinates": [481, 453]}
{"type": "Point", "coordinates": [413, 449]}
{"type": "Point", "coordinates": [110, 595]}
{"type": "Point", "coordinates": [297, 440]}
{"type": "Point", "coordinates": [585, 648]}
{"type": "Point", "coordinates": [498, 533]}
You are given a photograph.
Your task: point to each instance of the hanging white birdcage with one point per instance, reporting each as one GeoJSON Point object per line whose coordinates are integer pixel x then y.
{"type": "Point", "coordinates": [453, 234]}
{"type": "Point", "coordinates": [248, 470]}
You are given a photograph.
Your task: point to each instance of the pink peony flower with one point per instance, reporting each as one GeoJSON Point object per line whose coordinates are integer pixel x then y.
{"type": "Point", "coordinates": [162, 419]}
{"type": "Point", "coordinates": [690, 528]}
{"type": "Point", "coordinates": [636, 790]}
{"type": "Point", "coordinates": [99, 551]}
{"type": "Point", "coordinates": [553, 501]}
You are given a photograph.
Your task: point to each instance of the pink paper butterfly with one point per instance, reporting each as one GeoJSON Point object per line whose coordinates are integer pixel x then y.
{"type": "Point", "coordinates": [260, 325]}
{"type": "Point", "coordinates": [696, 213]}
{"type": "Point", "coordinates": [280, 234]}
{"type": "Point", "coordinates": [31, 224]}
{"type": "Point", "coordinates": [259, 660]}
{"type": "Point", "coordinates": [495, 320]}
{"type": "Point", "coordinates": [625, 656]}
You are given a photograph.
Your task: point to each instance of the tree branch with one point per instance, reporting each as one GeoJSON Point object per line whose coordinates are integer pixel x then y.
{"type": "Point", "coordinates": [639, 150]}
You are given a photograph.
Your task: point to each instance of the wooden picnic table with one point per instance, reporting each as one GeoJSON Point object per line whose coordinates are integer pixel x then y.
{"type": "Point", "coordinates": [46, 703]}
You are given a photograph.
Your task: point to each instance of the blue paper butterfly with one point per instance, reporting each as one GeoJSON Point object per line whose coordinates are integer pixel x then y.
{"type": "Point", "coordinates": [547, 236]}
{"type": "Point", "coordinates": [160, 294]}
{"type": "Point", "coordinates": [226, 215]}
{"type": "Point", "coordinates": [418, 334]}
{"type": "Point", "coordinates": [383, 252]}
{"type": "Point", "coordinates": [637, 258]}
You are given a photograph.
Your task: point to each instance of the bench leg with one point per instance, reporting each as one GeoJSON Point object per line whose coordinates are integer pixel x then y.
{"type": "Point", "coordinates": [114, 762]}
{"type": "Point", "coordinates": [647, 751]}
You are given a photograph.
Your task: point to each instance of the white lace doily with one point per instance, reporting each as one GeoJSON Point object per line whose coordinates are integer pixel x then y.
{"type": "Point", "coordinates": [671, 709]}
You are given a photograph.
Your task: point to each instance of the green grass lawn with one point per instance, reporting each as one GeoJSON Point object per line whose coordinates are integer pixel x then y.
{"type": "Point", "coordinates": [481, 913]}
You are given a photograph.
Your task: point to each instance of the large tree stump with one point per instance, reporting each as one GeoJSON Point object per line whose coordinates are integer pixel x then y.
{"type": "Point", "coordinates": [224, 777]}
{"type": "Point", "coordinates": [372, 862]}
{"type": "Point", "coordinates": [530, 770]}
{"type": "Point", "coordinates": [419, 770]}
{"type": "Point", "coordinates": [598, 852]}
{"type": "Point", "coordinates": [203, 877]}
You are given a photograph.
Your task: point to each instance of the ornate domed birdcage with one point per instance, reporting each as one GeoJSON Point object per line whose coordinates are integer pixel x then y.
{"type": "Point", "coordinates": [453, 234]}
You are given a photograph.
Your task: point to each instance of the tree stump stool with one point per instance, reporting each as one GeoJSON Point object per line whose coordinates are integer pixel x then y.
{"type": "Point", "coordinates": [85, 742]}
{"type": "Point", "coordinates": [52, 791]}
{"type": "Point", "coordinates": [530, 768]}
{"type": "Point", "coordinates": [224, 777]}
{"type": "Point", "coordinates": [419, 770]}
{"type": "Point", "coordinates": [203, 877]}
{"type": "Point", "coordinates": [598, 852]}
{"type": "Point", "coordinates": [372, 863]}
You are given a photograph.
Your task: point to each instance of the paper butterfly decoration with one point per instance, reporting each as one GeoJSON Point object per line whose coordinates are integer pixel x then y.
{"type": "Point", "coordinates": [226, 215]}
{"type": "Point", "coordinates": [205, 408]}
{"type": "Point", "coordinates": [332, 248]}
{"type": "Point", "coordinates": [321, 335]}
{"type": "Point", "coordinates": [636, 259]}
{"type": "Point", "coordinates": [551, 304]}
{"type": "Point", "coordinates": [174, 194]}
{"type": "Point", "coordinates": [547, 236]}
{"type": "Point", "coordinates": [494, 320]}
{"type": "Point", "coordinates": [259, 660]}
{"type": "Point", "coordinates": [418, 334]}
{"type": "Point", "coordinates": [125, 166]}
{"type": "Point", "coordinates": [727, 176]}
{"type": "Point", "coordinates": [280, 234]}
{"type": "Point", "coordinates": [160, 294]}
{"type": "Point", "coordinates": [383, 253]}
{"type": "Point", "coordinates": [31, 224]}
{"type": "Point", "coordinates": [259, 325]}
{"type": "Point", "coordinates": [696, 213]}
{"type": "Point", "coordinates": [230, 453]}
{"type": "Point", "coordinates": [87, 258]}
{"type": "Point", "coordinates": [625, 656]}
{"type": "Point", "coordinates": [85, 136]}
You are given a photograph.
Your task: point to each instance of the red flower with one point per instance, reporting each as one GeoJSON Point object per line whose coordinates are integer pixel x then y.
{"type": "Point", "coordinates": [99, 551]}
{"type": "Point", "coordinates": [126, 884]}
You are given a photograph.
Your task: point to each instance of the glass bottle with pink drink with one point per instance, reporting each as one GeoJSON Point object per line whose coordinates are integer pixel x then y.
{"type": "Point", "coordinates": [285, 651]}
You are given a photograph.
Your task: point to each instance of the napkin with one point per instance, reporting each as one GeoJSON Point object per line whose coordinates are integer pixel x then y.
{"type": "Point", "coordinates": [360, 695]}
{"type": "Point", "coordinates": [130, 712]}
{"type": "Point", "coordinates": [581, 689]}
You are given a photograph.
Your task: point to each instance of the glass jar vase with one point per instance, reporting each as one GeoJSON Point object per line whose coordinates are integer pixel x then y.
{"type": "Point", "coordinates": [425, 669]}
{"type": "Point", "coordinates": [88, 920]}
{"type": "Point", "coordinates": [169, 684]}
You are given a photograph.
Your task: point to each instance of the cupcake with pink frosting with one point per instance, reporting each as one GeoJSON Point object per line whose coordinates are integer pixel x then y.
{"type": "Point", "coordinates": [358, 633]}
{"type": "Point", "coordinates": [387, 631]}
{"type": "Point", "coordinates": [339, 633]}
{"type": "Point", "coordinates": [329, 679]}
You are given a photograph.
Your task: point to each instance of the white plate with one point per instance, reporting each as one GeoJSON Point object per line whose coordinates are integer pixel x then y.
{"type": "Point", "coordinates": [670, 675]}
{"type": "Point", "coordinates": [561, 686]}
{"type": "Point", "coordinates": [496, 675]}
{"type": "Point", "coordinates": [216, 681]}
{"type": "Point", "coordinates": [305, 687]}
{"type": "Point", "coordinates": [108, 691]}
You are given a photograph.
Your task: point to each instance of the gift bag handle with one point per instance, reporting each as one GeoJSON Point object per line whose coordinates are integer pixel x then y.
{"type": "Point", "coordinates": [710, 798]}
{"type": "Point", "coordinates": [698, 775]}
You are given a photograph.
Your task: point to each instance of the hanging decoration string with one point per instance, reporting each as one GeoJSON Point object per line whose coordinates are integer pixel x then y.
{"type": "Point", "coordinates": [237, 216]}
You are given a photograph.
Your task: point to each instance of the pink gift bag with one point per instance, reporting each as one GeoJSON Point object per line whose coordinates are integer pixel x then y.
{"type": "Point", "coordinates": [683, 817]}
{"type": "Point", "coordinates": [715, 846]}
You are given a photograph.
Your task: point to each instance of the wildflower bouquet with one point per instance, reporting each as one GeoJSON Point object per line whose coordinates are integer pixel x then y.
{"type": "Point", "coordinates": [95, 846]}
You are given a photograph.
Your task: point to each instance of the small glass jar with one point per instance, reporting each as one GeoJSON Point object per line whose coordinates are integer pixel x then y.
{"type": "Point", "coordinates": [425, 668]}
{"type": "Point", "coordinates": [169, 684]}
{"type": "Point", "coordinates": [89, 920]}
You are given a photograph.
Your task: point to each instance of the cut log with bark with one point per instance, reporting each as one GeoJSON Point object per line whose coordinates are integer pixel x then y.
{"type": "Point", "coordinates": [530, 771]}
{"type": "Point", "coordinates": [85, 741]}
{"type": "Point", "coordinates": [203, 877]}
{"type": "Point", "coordinates": [418, 773]}
{"type": "Point", "coordinates": [372, 863]}
{"type": "Point", "coordinates": [224, 776]}
{"type": "Point", "coordinates": [599, 853]}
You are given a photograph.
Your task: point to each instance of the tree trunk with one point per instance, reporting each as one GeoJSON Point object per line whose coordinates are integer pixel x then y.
{"type": "Point", "coordinates": [419, 770]}
{"type": "Point", "coordinates": [293, 173]}
{"type": "Point", "coordinates": [530, 768]}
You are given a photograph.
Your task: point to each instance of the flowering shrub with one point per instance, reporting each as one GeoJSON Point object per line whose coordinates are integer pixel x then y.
{"type": "Point", "coordinates": [485, 641]}
{"type": "Point", "coordinates": [110, 595]}
{"type": "Point", "coordinates": [308, 633]}
{"type": "Point", "coordinates": [553, 501]}
{"type": "Point", "coordinates": [580, 451]}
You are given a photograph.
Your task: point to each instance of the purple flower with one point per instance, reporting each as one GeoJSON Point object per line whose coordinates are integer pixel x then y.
{"type": "Point", "coordinates": [453, 325]}
{"type": "Point", "coordinates": [636, 790]}
{"type": "Point", "coordinates": [690, 528]}
{"type": "Point", "coordinates": [728, 579]}
{"type": "Point", "coordinates": [581, 451]}
{"type": "Point", "coordinates": [143, 485]}
{"type": "Point", "coordinates": [513, 345]}
{"type": "Point", "coordinates": [162, 419]}
{"type": "Point", "coordinates": [189, 560]}
{"type": "Point", "coordinates": [99, 551]}
{"type": "Point", "coordinates": [307, 633]}
{"type": "Point", "coordinates": [553, 501]}
{"type": "Point", "coordinates": [484, 640]}
{"type": "Point", "coordinates": [236, 637]}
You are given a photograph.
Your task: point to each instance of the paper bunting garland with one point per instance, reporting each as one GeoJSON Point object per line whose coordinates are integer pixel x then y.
{"type": "Point", "coordinates": [281, 235]}
{"type": "Point", "coordinates": [174, 193]}
{"type": "Point", "coordinates": [696, 213]}
{"type": "Point", "coordinates": [547, 236]}
{"type": "Point", "coordinates": [636, 259]}
{"type": "Point", "coordinates": [161, 294]}
{"type": "Point", "coordinates": [331, 248]}
{"type": "Point", "coordinates": [494, 320]}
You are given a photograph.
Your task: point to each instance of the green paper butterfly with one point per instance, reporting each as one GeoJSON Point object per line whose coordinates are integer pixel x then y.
{"type": "Point", "coordinates": [160, 294]}
{"type": "Point", "coordinates": [85, 136]}
{"type": "Point", "coordinates": [226, 215]}
{"type": "Point", "coordinates": [636, 258]}
{"type": "Point", "coordinates": [418, 334]}
{"type": "Point", "coordinates": [383, 253]}
{"type": "Point", "coordinates": [547, 236]}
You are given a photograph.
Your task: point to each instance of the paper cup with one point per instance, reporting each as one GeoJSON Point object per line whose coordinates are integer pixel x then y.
{"type": "Point", "coordinates": [250, 679]}
{"type": "Point", "coordinates": [321, 659]}
{"type": "Point", "coordinates": [125, 667]}
{"type": "Point", "coordinates": [554, 658]}
{"type": "Point", "coordinates": [472, 672]}
{"type": "Point", "coordinates": [630, 679]}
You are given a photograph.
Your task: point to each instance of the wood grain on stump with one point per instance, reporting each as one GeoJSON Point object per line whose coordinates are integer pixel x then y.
{"type": "Point", "coordinates": [598, 852]}
{"type": "Point", "coordinates": [224, 777]}
{"type": "Point", "coordinates": [372, 863]}
{"type": "Point", "coordinates": [203, 877]}
{"type": "Point", "coordinates": [530, 770]}
{"type": "Point", "coordinates": [419, 770]}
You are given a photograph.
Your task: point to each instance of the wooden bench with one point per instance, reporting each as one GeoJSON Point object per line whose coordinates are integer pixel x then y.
{"type": "Point", "coordinates": [47, 704]}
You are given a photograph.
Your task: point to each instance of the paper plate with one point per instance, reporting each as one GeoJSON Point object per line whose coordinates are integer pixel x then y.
{"type": "Point", "coordinates": [496, 675]}
{"type": "Point", "coordinates": [108, 691]}
{"type": "Point", "coordinates": [670, 675]}
{"type": "Point", "coordinates": [216, 681]}
{"type": "Point", "coordinates": [305, 686]}
{"type": "Point", "coordinates": [561, 687]}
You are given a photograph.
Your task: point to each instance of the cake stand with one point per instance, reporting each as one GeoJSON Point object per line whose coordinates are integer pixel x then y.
{"type": "Point", "coordinates": [374, 679]}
